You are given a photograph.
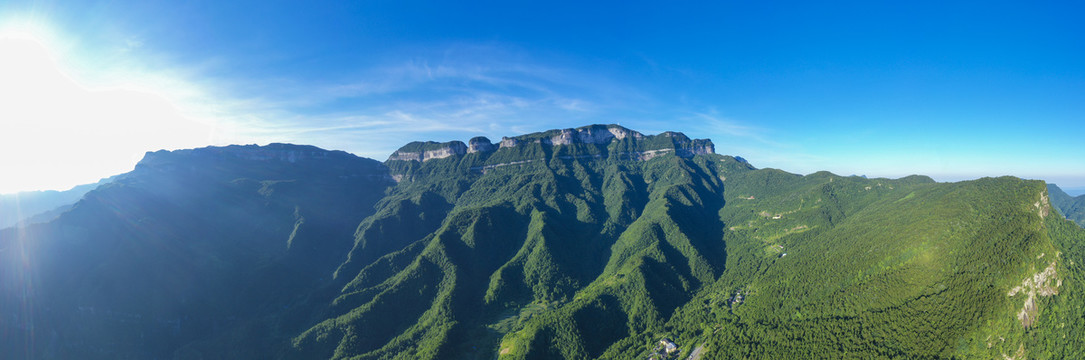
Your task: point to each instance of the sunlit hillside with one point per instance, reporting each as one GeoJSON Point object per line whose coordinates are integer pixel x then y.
{"type": "Point", "coordinates": [591, 243]}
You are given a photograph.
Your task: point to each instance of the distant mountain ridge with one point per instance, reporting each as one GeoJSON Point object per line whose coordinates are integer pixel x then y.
{"type": "Point", "coordinates": [1074, 191]}
{"type": "Point", "coordinates": [289, 153]}
{"type": "Point", "coordinates": [40, 206]}
{"type": "Point", "coordinates": [601, 135]}
{"type": "Point", "coordinates": [589, 243]}
{"type": "Point", "coordinates": [1073, 208]}
{"type": "Point", "coordinates": [190, 241]}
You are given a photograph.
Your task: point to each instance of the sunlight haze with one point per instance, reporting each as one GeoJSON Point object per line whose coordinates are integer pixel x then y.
{"type": "Point", "coordinates": [511, 180]}
{"type": "Point", "coordinates": [58, 133]}
{"type": "Point", "coordinates": [902, 89]}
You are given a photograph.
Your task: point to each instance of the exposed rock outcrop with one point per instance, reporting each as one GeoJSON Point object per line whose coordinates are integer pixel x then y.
{"type": "Point", "coordinates": [1044, 283]}
{"type": "Point", "coordinates": [480, 144]}
{"type": "Point", "coordinates": [507, 142]}
{"type": "Point", "coordinates": [419, 151]}
{"type": "Point", "coordinates": [593, 134]}
{"type": "Point", "coordinates": [1043, 206]}
{"type": "Point", "coordinates": [651, 145]}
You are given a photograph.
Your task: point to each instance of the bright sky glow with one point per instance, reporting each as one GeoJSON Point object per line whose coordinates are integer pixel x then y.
{"type": "Point", "coordinates": [952, 91]}
{"type": "Point", "coordinates": [57, 133]}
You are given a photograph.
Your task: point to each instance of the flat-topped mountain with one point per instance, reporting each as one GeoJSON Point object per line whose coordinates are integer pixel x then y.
{"type": "Point", "coordinates": [601, 139]}
{"type": "Point", "coordinates": [590, 243]}
{"type": "Point", "coordinates": [286, 157]}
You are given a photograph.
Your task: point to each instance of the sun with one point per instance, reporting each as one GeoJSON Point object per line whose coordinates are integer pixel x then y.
{"type": "Point", "coordinates": [56, 132]}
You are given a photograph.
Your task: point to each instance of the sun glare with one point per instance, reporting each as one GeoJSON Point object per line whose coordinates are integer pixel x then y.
{"type": "Point", "coordinates": [56, 132]}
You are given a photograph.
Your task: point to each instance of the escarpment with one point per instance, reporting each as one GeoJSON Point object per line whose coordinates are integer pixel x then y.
{"type": "Point", "coordinates": [618, 140]}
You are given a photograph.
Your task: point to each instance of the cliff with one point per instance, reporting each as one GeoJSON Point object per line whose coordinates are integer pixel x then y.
{"type": "Point", "coordinates": [619, 140]}
{"type": "Point", "coordinates": [233, 160]}
{"type": "Point", "coordinates": [422, 151]}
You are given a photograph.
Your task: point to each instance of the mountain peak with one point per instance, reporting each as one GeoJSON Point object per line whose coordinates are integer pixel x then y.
{"type": "Point", "coordinates": [250, 160]}
{"type": "Point", "coordinates": [426, 150]}
{"type": "Point", "coordinates": [586, 135]}
{"type": "Point", "coordinates": [309, 253]}
{"type": "Point", "coordinates": [271, 152]}
{"type": "Point", "coordinates": [591, 134]}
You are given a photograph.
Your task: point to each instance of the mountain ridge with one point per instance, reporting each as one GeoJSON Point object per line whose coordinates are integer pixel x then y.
{"type": "Point", "coordinates": [571, 250]}
{"type": "Point", "coordinates": [585, 135]}
{"type": "Point", "coordinates": [1071, 207]}
{"type": "Point", "coordinates": [30, 207]}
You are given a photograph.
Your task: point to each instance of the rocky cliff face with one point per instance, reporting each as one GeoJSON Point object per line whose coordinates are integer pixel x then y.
{"type": "Point", "coordinates": [480, 144]}
{"type": "Point", "coordinates": [594, 134]}
{"type": "Point", "coordinates": [651, 145]}
{"type": "Point", "coordinates": [422, 151]}
{"type": "Point", "coordinates": [686, 147]}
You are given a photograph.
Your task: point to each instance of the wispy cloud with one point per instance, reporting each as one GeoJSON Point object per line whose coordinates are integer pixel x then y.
{"type": "Point", "coordinates": [445, 92]}
{"type": "Point", "coordinates": [455, 93]}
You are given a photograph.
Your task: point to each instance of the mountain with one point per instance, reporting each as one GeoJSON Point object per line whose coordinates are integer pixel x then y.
{"type": "Point", "coordinates": [1075, 191]}
{"type": "Point", "coordinates": [1073, 208]}
{"type": "Point", "coordinates": [594, 242]}
{"type": "Point", "coordinates": [40, 206]}
{"type": "Point", "coordinates": [186, 253]}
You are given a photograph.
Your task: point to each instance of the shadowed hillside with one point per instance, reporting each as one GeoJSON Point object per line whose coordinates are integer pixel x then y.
{"type": "Point", "coordinates": [595, 242]}
{"type": "Point", "coordinates": [40, 206]}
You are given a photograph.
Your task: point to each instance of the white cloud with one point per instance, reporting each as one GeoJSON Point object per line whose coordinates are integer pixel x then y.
{"type": "Point", "coordinates": [89, 111]}
{"type": "Point", "coordinates": [454, 92]}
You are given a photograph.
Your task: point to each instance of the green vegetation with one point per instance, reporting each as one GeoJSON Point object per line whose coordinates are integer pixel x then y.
{"type": "Point", "coordinates": [1072, 208]}
{"type": "Point", "coordinates": [576, 251]}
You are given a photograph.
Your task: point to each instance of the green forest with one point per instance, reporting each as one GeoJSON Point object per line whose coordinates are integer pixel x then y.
{"type": "Point", "coordinates": [587, 250]}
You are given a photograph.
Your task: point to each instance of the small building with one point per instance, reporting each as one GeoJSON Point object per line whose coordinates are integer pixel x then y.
{"type": "Point", "coordinates": [668, 346]}
{"type": "Point", "coordinates": [737, 299]}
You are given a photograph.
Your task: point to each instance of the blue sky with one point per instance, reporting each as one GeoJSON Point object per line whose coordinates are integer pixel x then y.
{"type": "Point", "coordinates": [955, 91]}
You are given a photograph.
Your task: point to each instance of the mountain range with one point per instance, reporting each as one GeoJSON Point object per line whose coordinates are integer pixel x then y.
{"type": "Point", "coordinates": [40, 206]}
{"type": "Point", "coordinates": [591, 243]}
{"type": "Point", "coordinates": [1072, 207]}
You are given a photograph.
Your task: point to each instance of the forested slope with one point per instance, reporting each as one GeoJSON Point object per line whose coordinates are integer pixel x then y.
{"type": "Point", "coordinates": [898, 270]}
{"type": "Point", "coordinates": [1072, 207]}
{"type": "Point", "coordinates": [568, 255]}
{"type": "Point", "coordinates": [596, 242]}
{"type": "Point", "coordinates": [188, 255]}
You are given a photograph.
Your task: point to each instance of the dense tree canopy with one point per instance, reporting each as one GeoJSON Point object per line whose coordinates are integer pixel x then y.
{"type": "Point", "coordinates": [536, 251]}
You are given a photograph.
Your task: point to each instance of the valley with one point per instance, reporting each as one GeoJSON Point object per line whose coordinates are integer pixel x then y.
{"type": "Point", "coordinates": [589, 243]}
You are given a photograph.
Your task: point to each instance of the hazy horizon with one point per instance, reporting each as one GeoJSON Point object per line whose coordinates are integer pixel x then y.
{"type": "Point", "coordinates": [1070, 190]}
